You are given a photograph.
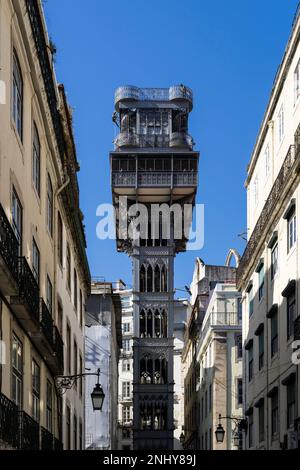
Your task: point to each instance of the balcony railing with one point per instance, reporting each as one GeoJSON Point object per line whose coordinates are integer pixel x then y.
{"type": "Point", "coordinates": [46, 439]}
{"type": "Point", "coordinates": [267, 214]}
{"type": "Point", "coordinates": [46, 322]}
{"type": "Point", "coordinates": [28, 291]}
{"type": "Point", "coordinates": [221, 319]}
{"type": "Point", "coordinates": [9, 425]}
{"type": "Point", "coordinates": [154, 178]}
{"type": "Point", "coordinates": [9, 248]}
{"type": "Point", "coordinates": [29, 432]}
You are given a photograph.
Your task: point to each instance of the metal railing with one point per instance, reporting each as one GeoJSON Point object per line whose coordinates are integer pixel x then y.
{"type": "Point", "coordinates": [9, 245]}
{"type": "Point", "coordinates": [29, 432]}
{"type": "Point", "coordinates": [46, 322]}
{"type": "Point", "coordinates": [29, 289]}
{"type": "Point", "coordinates": [8, 422]}
{"type": "Point", "coordinates": [154, 178]}
{"type": "Point", "coordinates": [267, 213]}
{"type": "Point", "coordinates": [47, 442]}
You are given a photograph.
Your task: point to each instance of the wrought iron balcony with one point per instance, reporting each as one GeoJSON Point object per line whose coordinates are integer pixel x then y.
{"type": "Point", "coordinates": [9, 424]}
{"type": "Point", "coordinates": [47, 442]}
{"type": "Point", "coordinates": [57, 444]}
{"type": "Point", "coordinates": [26, 305]}
{"type": "Point", "coordinates": [29, 432]}
{"type": "Point", "coordinates": [43, 337]}
{"type": "Point", "coordinates": [9, 249]}
{"type": "Point", "coordinates": [131, 179]}
{"type": "Point", "coordinates": [280, 186]}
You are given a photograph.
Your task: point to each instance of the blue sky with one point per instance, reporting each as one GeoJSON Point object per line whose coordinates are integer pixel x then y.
{"type": "Point", "coordinates": [226, 51]}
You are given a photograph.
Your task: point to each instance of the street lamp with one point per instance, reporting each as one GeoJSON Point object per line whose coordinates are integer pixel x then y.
{"type": "Point", "coordinates": [241, 425]}
{"type": "Point", "coordinates": [66, 382]}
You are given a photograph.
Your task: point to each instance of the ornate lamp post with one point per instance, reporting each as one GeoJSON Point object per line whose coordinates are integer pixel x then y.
{"type": "Point", "coordinates": [66, 382]}
{"type": "Point", "coordinates": [241, 425]}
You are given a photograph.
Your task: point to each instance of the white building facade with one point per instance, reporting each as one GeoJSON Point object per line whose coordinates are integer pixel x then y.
{"type": "Point", "coordinates": [268, 274]}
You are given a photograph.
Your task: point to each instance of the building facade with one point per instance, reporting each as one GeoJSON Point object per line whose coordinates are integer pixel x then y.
{"type": "Point", "coordinates": [210, 345]}
{"type": "Point", "coordinates": [153, 162]}
{"type": "Point", "coordinates": [103, 343]}
{"type": "Point", "coordinates": [268, 274]}
{"type": "Point", "coordinates": [125, 401]}
{"type": "Point", "coordinates": [44, 274]}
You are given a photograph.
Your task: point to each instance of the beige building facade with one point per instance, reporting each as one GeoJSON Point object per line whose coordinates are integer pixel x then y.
{"type": "Point", "coordinates": [44, 274]}
{"type": "Point", "coordinates": [268, 274]}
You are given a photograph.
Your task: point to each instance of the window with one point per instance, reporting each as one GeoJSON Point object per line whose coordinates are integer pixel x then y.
{"type": "Point", "coordinates": [49, 293]}
{"type": "Point", "coordinates": [250, 430]}
{"type": "Point", "coordinates": [240, 391]}
{"type": "Point", "coordinates": [17, 219]}
{"type": "Point", "coordinates": [240, 311]}
{"type": "Point", "coordinates": [75, 290]}
{"type": "Point", "coordinates": [261, 281]}
{"type": "Point", "coordinates": [60, 239]}
{"type": "Point", "coordinates": [274, 261]}
{"type": "Point", "coordinates": [261, 349]}
{"type": "Point", "coordinates": [69, 348]}
{"type": "Point", "coordinates": [250, 363]}
{"type": "Point", "coordinates": [126, 414]}
{"type": "Point", "coordinates": [126, 367]}
{"type": "Point", "coordinates": [296, 83]}
{"type": "Point", "coordinates": [251, 302]}
{"type": "Point", "coordinates": [75, 432]}
{"type": "Point", "coordinates": [80, 309]}
{"type": "Point", "coordinates": [274, 413]}
{"type": "Point", "coordinates": [49, 205]}
{"type": "Point", "coordinates": [280, 124]}
{"type": "Point", "coordinates": [49, 398]}
{"type": "Point", "coordinates": [36, 388]}
{"type": "Point", "coordinates": [267, 162]}
{"type": "Point", "coordinates": [291, 403]}
{"type": "Point", "coordinates": [17, 96]}
{"type": "Point", "coordinates": [35, 261]}
{"type": "Point", "coordinates": [126, 327]}
{"type": "Point", "coordinates": [17, 371]}
{"type": "Point", "coordinates": [274, 334]}
{"type": "Point", "coordinates": [239, 346]}
{"type": "Point", "coordinates": [126, 389]}
{"type": "Point", "coordinates": [80, 434]}
{"type": "Point", "coordinates": [68, 268]}
{"type": "Point", "coordinates": [291, 314]}
{"type": "Point", "coordinates": [68, 427]}
{"type": "Point", "coordinates": [60, 318]}
{"type": "Point", "coordinates": [126, 345]}
{"type": "Point", "coordinates": [36, 160]}
{"type": "Point", "coordinates": [292, 232]}
{"type": "Point", "coordinates": [261, 422]}
{"type": "Point", "coordinates": [75, 354]}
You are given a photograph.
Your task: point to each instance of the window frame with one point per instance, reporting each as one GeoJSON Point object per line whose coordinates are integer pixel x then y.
{"type": "Point", "coordinates": [17, 99]}
{"type": "Point", "coordinates": [36, 160]}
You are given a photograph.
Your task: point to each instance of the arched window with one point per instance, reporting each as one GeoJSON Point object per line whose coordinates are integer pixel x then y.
{"type": "Point", "coordinates": [164, 324]}
{"type": "Point", "coordinates": [142, 324]}
{"type": "Point", "coordinates": [157, 279]}
{"type": "Point", "coordinates": [149, 324]}
{"type": "Point", "coordinates": [164, 282]}
{"type": "Point", "coordinates": [143, 279]}
{"type": "Point", "coordinates": [149, 279]}
{"type": "Point", "coordinates": [17, 95]}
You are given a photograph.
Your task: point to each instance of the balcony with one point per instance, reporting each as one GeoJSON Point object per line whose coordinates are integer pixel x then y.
{"type": "Point", "coordinates": [9, 425]}
{"type": "Point", "coordinates": [273, 204]}
{"type": "Point", "coordinates": [26, 305]}
{"type": "Point", "coordinates": [9, 249]}
{"type": "Point", "coordinates": [29, 432]}
{"type": "Point", "coordinates": [47, 442]}
{"type": "Point", "coordinates": [131, 179]}
{"type": "Point", "coordinates": [221, 321]}
{"type": "Point", "coordinates": [56, 361]}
